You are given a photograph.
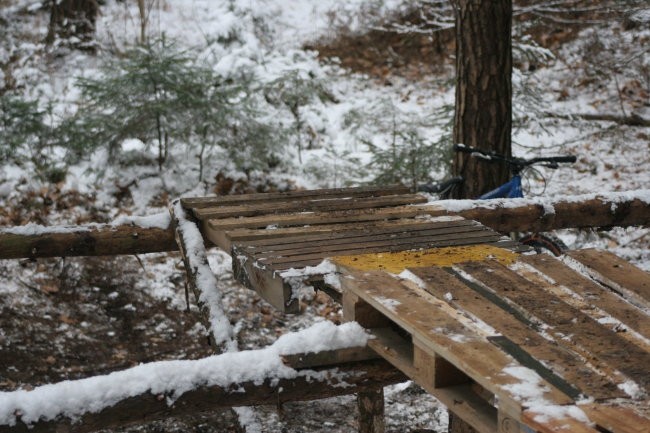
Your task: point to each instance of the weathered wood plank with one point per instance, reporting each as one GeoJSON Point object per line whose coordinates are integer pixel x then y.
{"type": "Point", "coordinates": [313, 218]}
{"type": "Point", "coordinates": [276, 207]}
{"type": "Point", "coordinates": [617, 270]}
{"type": "Point", "coordinates": [440, 333]}
{"type": "Point", "coordinates": [617, 419]}
{"type": "Point", "coordinates": [591, 292]}
{"type": "Point", "coordinates": [460, 399]}
{"type": "Point", "coordinates": [565, 364]}
{"type": "Point", "coordinates": [268, 284]}
{"type": "Point", "coordinates": [567, 323]}
{"type": "Point", "coordinates": [225, 239]}
{"type": "Point", "coordinates": [405, 242]}
{"type": "Point", "coordinates": [231, 200]}
{"type": "Point", "coordinates": [471, 238]}
{"type": "Point", "coordinates": [298, 264]}
{"type": "Point", "coordinates": [347, 231]}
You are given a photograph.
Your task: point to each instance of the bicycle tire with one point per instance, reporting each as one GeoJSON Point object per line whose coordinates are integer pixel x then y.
{"type": "Point", "coordinates": [544, 242]}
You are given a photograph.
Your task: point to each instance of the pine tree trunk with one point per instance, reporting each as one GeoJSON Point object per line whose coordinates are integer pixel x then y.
{"type": "Point", "coordinates": [483, 117]}
{"type": "Point", "coordinates": [73, 18]}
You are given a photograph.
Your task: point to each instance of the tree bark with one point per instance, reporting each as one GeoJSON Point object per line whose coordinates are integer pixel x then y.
{"type": "Point", "coordinates": [73, 18]}
{"type": "Point", "coordinates": [483, 116]}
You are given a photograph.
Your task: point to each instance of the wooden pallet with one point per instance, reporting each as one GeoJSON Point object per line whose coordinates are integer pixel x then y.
{"type": "Point", "coordinates": [269, 234]}
{"type": "Point", "coordinates": [474, 334]}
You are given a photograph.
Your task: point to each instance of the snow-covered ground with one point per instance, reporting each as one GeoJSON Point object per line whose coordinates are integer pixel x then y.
{"type": "Point", "coordinates": [75, 308]}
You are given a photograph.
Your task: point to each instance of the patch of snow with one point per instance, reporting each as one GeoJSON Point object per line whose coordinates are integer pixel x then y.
{"type": "Point", "coordinates": [206, 282]}
{"type": "Point", "coordinates": [410, 276]}
{"type": "Point", "coordinates": [160, 220]}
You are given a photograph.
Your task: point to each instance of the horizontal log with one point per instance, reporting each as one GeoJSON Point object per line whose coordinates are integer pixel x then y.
{"type": "Point", "coordinates": [330, 382]}
{"type": "Point", "coordinates": [504, 215]}
{"type": "Point", "coordinates": [512, 215]}
{"type": "Point", "coordinates": [90, 240]}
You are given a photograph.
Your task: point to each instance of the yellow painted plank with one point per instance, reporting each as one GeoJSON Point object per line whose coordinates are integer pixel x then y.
{"type": "Point", "coordinates": [396, 262]}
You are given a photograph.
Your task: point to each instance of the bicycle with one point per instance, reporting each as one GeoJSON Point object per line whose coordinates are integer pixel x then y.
{"type": "Point", "coordinates": [510, 189]}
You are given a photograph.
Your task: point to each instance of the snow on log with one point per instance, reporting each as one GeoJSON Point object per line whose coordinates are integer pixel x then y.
{"type": "Point", "coordinates": [201, 279]}
{"type": "Point", "coordinates": [623, 209]}
{"type": "Point", "coordinates": [177, 388]}
{"type": "Point", "coordinates": [125, 235]}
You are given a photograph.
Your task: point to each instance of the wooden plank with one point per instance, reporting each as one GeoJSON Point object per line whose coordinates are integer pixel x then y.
{"type": "Point", "coordinates": [574, 299]}
{"type": "Point", "coordinates": [312, 218]}
{"type": "Point", "coordinates": [410, 241]}
{"type": "Point", "coordinates": [347, 231]}
{"type": "Point", "coordinates": [567, 323]}
{"type": "Point", "coordinates": [439, 332]}
{"type": "Point", "coordinates": [460, 399]}
{"type": "Point", "coordinates": [253, 235]}
{"type": "Point", "coordinates": [371, 411]}
{"type": "Point", "coordinates": [507, 245]}
{"type": "Point", "coordinates": [276, 207]}
{"type": "Point", "coordinates": [471, 238]}
{"type": "Point", "coordinates": [623, 274]}
{"type": "Point", "coordinates": [591, 292]}
{"type": "Point", "coordinates": [266, 283]}
{"type": "Point", "coordinates": [617, 419]}
{"type": "Point", "coordinates": [230, 200]}
{"type": "Point", "coordinates": [224, 239]}
{"type": "Point", "coordinates": [566, 365]}
{"type": "Point", "coordinates": [329, 357]}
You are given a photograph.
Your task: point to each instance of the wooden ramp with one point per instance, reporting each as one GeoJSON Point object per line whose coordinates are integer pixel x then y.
{"type": "Point", "coordinates": [269, 234]}
{"type": "Point", "coordinates": [509, 341]}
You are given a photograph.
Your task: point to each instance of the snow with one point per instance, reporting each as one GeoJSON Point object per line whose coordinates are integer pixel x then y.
{"type": "Point", "coordinates": [206, 281]}
{"type": "Point", "coordinates": [530, 391]}
{"type": "Point", "coordinates": [160, 221]}
{"type": "Point", "coordinates": [172, 379]}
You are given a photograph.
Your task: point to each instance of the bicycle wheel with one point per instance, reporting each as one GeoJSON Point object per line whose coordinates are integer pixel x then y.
{"type": "Point", "coordinates": [544, 242]}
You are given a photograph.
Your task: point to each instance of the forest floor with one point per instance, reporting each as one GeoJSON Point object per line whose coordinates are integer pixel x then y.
{"type": "Point", "coordinates": [77, 317]}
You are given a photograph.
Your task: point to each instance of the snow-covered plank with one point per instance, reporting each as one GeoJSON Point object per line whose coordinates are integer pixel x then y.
{"type": "Point", "coordinates": [177, 388]}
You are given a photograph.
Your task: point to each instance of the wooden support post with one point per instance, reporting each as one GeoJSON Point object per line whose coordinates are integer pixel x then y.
{"type": "Point", "coordinates": [371, 411]}
{"type": "Point", "coordinates": [357, 310]}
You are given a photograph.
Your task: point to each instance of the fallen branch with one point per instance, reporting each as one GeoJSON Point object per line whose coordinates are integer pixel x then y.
{"type": "Point", "coordinates": [631, 120]}
{"type": "Point", "coordinates": [180, 388]}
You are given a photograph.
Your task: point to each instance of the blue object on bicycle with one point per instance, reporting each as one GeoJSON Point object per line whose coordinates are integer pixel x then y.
{"type": "Point", "coordinates": [510, 189]}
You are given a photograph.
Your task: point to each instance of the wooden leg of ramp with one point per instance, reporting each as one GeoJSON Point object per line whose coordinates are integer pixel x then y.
{"type": "Point", "coordinates": [371, 411]}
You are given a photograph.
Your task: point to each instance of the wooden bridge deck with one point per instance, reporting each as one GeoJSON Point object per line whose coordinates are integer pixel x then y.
{"type": "Point", "coordinates": [508, 341]}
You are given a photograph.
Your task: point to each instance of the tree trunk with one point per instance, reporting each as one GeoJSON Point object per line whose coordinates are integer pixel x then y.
{"type": "Point", "coordinates": [483, 117]}
{"type": "Point", "coordinates": [73, 18]}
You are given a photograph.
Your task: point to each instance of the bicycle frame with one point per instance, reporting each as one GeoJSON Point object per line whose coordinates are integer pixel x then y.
{"type": "Point", "coordinates": [510, 189]}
